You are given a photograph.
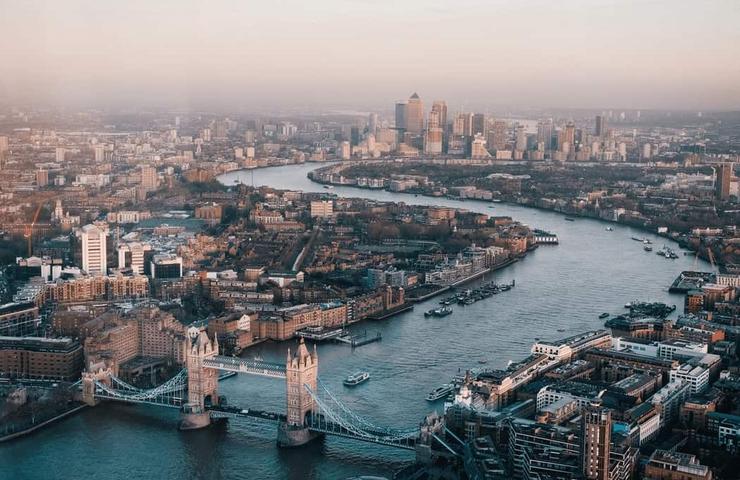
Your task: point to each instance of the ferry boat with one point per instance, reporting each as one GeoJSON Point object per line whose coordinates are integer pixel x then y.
{"type": "Point", "coordinates": [356, 379]}
{"type": "Point", "coordinates": [440, 392]}
{"type": "Point", "coordinates": [438, 312]}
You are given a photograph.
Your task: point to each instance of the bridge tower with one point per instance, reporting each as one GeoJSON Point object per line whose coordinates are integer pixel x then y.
{"type": "Point", "coordinates": [202, 382]}
{"type": "Point", "coordinates": [89, 378]}
{"type": "Point", "coordinates": [301, 369]}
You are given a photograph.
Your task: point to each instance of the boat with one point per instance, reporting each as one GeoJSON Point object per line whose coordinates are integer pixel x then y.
{"type": "Point", "coordinates": [482, 361]}
{"type": "Point", "coordinates": [438, 312]}
{"type": "Point", "coordinates": [569, 219]}
{"type": "Point", "coordinates": [609, 229]}
{"type": "Point", "coordinates": [647, 248]}
{"type": "Point", "coordinates": [440, 392]}
{"type": "Point", "coordinates": [604, 315]}
{"type": "Point", "coordinates": [356, 379]}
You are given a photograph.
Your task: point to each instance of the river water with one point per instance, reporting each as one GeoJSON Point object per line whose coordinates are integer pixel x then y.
{"type": "Point", "coordinates": [560, 290]}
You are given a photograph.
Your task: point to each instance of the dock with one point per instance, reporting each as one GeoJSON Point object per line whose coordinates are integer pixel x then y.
{"type": "Point", "coordinates": [359, 340]}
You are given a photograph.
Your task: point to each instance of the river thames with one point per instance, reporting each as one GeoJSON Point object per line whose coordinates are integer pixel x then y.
{"type": "Point", "coordinates": [560, 290]}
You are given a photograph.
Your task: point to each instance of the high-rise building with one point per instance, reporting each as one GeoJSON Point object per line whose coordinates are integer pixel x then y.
{"type": "Point", "coordinates": [722, 178]}
{"type": "Point", "coordinates": [440, 107]}
{"type": "Point", "coordinates": [149, 180]}
{"type": "Point", "coordinates": [544, 133]}
{"type": "Point", "coordinates": [463, 125]}
{"type": "Point", "coordinates": [3, 143]}
{"type": "Point", "coordinates": [99, 151]}
{"type": "Point", "coordinates": [478, 125]}
{"type": "Point", "coordinates": [59, 154]}
{"type": "Point", "coordinates": [498, 135]}
{"type": "Point", "coordinates": [596, 430]}
{"type": "Point", "coordinates": [345, 150]}
{"type": "Point", "coordinates": [433, 136]}
{"type": "Point", "coordinates": [400, 120]}
{"type": "Point", "coordinates": [131, 255]}
{"type": "Point", "coordinates": [570, 134]}
{"type": "Point", "coordinates": [520, 139]}
{"type": "Point", "coordinates": [414, 115]}
{"type": "Point", "coordinates": [94, 253]}
{"type": "Point", "coordinates": [478, 148]}
{"type": "Point", "coordinates": [372, 123]}
{"type": "Point", "coordinates": [600, 130]}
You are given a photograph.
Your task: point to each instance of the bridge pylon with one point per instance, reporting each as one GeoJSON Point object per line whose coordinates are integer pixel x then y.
{"type": "Point", "coordinates": [102, 375]}
{"type": "Point", "coordinates": [301, 369]}
{"type": "Point", "coordinates": [202, 382]}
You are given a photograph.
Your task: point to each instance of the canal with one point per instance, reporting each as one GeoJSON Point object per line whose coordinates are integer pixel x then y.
{"type": "Point", "coordinates": [560, 290]}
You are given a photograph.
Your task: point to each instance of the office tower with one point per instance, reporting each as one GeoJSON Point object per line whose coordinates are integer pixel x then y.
{"type": "Point", "coordinates": [722, 178]}
{"type": "Point", "coordinates": [520, 139]}
{"type": "Point", "coordinates": [440, 107]}
{"type": "Point", "coordinates": [401, 119]}
{"type": "Point", "coordinates": [463, 125]}
{"type": "Point", "coordinates": [544, 133]}
{"type": "Point", "coordinates": [414, 115]}
{"type": "Point", "coordinates": [59, 155]}
{"type": "Point", "coordinates": [433, 136]}
{"type": "Point", "coordinates": [600, 126]}
{"type": "Point", "coordinates": [596, 431]}
{"type": "Point", "coordinates": [478, 125]}
{"type": "Point", "coordinates": [570, 134]}
{"type": "Point", "coordinates": [205, 134]}
{"type": "Point", "coordinates": [372, 123]}
{"type": "Point", "coordinates": [149, 180]}
{"type": "Point", "coordinates": [498, 135]}
{"type": "Point", "coordinates": [94, 255]}
{"type": "Point", "coordinates": [354, 136]}
{"type": "Point", "coordinates": [3, 143]}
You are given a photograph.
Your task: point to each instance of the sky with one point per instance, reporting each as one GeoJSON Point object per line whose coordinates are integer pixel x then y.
{"type": "Point", "coordinates": [642, 54]}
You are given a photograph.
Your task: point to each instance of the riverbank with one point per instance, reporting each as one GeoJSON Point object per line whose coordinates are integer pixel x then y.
{"type": "Point", "coordinates": [38, 426]}
{"type": "Point", "coordinates": [675, 236]}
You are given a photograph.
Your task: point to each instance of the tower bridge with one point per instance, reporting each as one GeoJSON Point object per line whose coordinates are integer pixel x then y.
{"type": "Point", "coordinates": [312, 410]}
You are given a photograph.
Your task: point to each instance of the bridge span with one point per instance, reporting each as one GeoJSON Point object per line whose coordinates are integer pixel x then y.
{"type": "Point", "coordinates": [312, 410]}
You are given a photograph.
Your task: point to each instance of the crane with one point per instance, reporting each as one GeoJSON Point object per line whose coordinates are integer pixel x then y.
{"type": "Point", "coordinates": [28, 231]}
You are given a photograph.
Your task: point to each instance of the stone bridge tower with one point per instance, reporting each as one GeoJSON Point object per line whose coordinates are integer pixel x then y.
{"type": "Point", "coordinates": [202, 382]}
{"type": "Point", "coordinates": [102, 375]}
{"type": "Point", "coordinates": [301, 369]}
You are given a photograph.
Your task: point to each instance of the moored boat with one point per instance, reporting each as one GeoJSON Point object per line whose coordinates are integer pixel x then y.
{"type": "Point", "coordinates": [440, 392]}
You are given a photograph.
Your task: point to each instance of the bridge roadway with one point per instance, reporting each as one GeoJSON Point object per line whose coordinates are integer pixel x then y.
{"type": "Point", "coordinates": [242, 365]}
{"type": "Point", "coordinates": [317, 423]}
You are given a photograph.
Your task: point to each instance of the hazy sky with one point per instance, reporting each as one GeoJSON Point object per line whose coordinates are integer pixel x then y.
{"type": "Point", "coordinates": [552, 53]}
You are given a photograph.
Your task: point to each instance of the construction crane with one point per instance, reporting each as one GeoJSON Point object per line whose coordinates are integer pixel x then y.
{"type": "Point", "coordinates": [28, 231]}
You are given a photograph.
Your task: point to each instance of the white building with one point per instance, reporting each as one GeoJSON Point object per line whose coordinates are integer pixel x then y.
{"type": "Point", "coordinates": [696, 376]}
{"type": "Point", "coordinates": [94, 253]}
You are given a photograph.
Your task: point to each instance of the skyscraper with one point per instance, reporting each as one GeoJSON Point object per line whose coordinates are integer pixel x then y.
{"type": "Point", "coordinates": [600, 126]}
{"type": "Point", "coordinates": [94, 253]}
{"type": "Point", "coordinates": [401, 119]}
{"type": "Point", "coordinates": [544, 133]}
{"type": "Point", "coordinates": [433, 135]}
{"type": "Point", "coordinates": [372, 123]}
{"type": "Point", "coordinates": [722, 177]}
{"type": "Point", "coordinates": [478, 125]}
{"type": "Point", "coordinates": [463, 124]}
{"type": "Point", "coordinates": [414, 115]}
{"type": "Point", "coordinates": [440, 107]}
{"type": "Point", "coordinates": [596, 430]}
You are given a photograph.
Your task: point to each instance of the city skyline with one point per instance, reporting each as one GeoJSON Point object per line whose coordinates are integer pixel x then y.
{"type": "Point", "coordinates": [621, 54]}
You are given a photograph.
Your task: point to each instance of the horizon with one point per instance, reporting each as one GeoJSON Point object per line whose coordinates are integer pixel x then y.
{"type": "Point", "coordinates": [197, 56]}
